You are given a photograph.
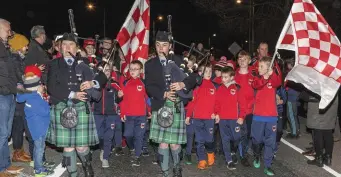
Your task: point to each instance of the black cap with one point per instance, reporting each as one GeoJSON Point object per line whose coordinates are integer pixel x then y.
{"type": "Point", "coordinates": [162, 36]}
{"type": "Point", "coordinates": [70, 37]}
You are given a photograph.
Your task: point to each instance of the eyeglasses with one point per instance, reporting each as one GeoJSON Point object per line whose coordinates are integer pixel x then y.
{"type": "Point", "coordinates": [134, 69]}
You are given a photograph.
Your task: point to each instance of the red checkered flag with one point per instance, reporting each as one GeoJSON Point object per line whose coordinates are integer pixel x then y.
{"type": "Point", "coordinates": [317, 64]}
{"type": "Point", "coordinates": [134, 34]}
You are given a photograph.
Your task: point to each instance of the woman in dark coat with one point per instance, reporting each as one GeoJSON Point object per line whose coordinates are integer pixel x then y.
{"type": "Point", "coordinates": [322, 123]}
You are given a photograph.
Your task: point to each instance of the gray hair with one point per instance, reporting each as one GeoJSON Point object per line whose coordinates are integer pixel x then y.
{"type": "Point", "coordinates": [36, 31]}
{"type": "Point", "coordinates": [3, 21]}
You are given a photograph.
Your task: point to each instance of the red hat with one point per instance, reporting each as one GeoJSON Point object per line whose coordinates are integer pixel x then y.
{"type": "Point", "coordinates": [32, 70]}
{"type": "Point", "coordinates": [89, 41]}
{"type": "Point", "coordinates": [231, 63]}
{"type": "Point", "coordinates": [222, 62]}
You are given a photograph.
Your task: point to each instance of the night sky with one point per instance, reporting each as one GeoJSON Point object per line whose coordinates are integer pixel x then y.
{"type": "Point", "coordinates": [190, 24]}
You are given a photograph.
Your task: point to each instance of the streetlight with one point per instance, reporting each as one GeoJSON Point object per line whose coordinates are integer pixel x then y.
{"type": "Point", "coordinates": [91, 7]}
{"type": "Point", "coordinates": [239, 1]}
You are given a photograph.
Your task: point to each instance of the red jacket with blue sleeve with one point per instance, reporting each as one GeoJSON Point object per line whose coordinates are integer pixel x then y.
{"type": "Point", "coordinates": [135, 98]}
{"type": "Point", "coordinates": [202, 105]}
{"type": "Point", "coordinates": [230, 103]}
{"type": "Point", "coordinates": [265, 100]}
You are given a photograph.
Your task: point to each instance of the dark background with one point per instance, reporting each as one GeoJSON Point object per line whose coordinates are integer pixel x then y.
{"type": "Point", "coordinates": [190, 23]}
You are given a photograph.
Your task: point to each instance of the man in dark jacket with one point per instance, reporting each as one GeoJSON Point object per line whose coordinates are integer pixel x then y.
{"type": "Point", "coordinates": [36, 53]}
{"type": "Point", "coordinates": [8, 86]}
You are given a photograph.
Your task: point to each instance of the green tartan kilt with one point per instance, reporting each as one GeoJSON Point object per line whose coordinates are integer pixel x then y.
{"type": "Point", "coordinates": [84, 134]}
{"type": "Point", "coordinates": [175, 134]}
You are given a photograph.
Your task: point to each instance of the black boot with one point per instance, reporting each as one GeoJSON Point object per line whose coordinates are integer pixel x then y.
{"type": "Point", "coordinates": [86, 164]}
{"type": "Point", "coordinates": [327, 159]}
{"type": "Point", "coordinates": [318, 161]}
{"type": "Point", "coordinates": [177, 171]}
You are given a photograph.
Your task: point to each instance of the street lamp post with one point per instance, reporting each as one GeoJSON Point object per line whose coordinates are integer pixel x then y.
{"type": "Point", "coordinates": [209, 39]}
{"type": "Point", "coordinates": [160, 19]}
{"type": "Point", "coordinates": [91, 7]}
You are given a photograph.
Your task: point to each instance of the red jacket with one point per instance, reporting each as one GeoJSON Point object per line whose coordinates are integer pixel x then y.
{"type": "Point", "coordinates": [134, 99]}
{"type": "Point", "coordinates": [265, 101]}
{"type": "Point", "coordinates": [202, 105]}
{"type": "Point", "coordinates": [230, 103]}
{"type": "Point", "coordinates": [217, 80]}
{"type": "Point", "coordinates": [245, 82]}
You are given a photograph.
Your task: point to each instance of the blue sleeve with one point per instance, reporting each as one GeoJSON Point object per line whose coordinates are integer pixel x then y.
{"type": "Point", "coordinates": [148, 102]}
{"type": "Point", "coordinates": [284, 95]}
{"type": "Point", "coordinates": [21, 97]}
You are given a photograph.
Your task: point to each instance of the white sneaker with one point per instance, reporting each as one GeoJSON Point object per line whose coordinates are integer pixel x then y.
{"type": "Point", "coordinates": [101, 155]}
{"type": "Point", "coordinates": [105, 163]}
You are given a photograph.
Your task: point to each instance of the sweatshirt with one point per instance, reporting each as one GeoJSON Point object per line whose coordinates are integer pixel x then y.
{"type": "Point", "coordinates": [246, 89]}
{"type": "Point", "coordinates": [229, 103]}
{"type": "Point", "coordinates": [202, 104]}
{"type": "Point", "coordinates": [134, 101]}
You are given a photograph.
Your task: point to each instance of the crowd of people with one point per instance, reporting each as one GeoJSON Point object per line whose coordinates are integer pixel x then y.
{"type": "Point", "coordinates": [63, 93]}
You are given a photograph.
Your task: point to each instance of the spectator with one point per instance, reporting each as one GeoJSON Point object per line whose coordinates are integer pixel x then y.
{"type": "Point", "coordinates": [8, 84]}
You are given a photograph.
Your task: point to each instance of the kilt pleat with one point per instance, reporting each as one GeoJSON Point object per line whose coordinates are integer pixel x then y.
{"type": "Point", "coordinates": [84, 134]}
{"type": "Point", "coordinates": [175, 134]}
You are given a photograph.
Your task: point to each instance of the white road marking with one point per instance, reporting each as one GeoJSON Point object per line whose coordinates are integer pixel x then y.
{"type": "Point", "coordinates": [328, 169]}
{"type": "Point", "coordinates": [58, 171]}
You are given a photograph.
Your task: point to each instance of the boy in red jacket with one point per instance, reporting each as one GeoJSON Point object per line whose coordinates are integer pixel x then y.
{"type": "Point", "coordinates": [264, 123]}
{"type": "Point", "coordinates": [133, 110]}
{"type": "Point", "coordinates": [202, 111]}
{"type": "Point", "coordinates": [244, 78]}
{"type": "Point", "coordinates": [230, 113]}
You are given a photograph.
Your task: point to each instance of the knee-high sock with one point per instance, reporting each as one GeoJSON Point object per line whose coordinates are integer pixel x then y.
{"type": "Point", "coordinates": [82, 155]}
{"type": "Point", "coordinates": [164, 160]}
{"type": "Point", "coordinates": [70, 162]}
{"type": "Point", "coordinates": [176, 156]}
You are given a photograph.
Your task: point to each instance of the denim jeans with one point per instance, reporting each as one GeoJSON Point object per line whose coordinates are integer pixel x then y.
{"type": "Point", "coordinates": [38, 152]}
{"type": "Point", "coordinates": [7, 108]}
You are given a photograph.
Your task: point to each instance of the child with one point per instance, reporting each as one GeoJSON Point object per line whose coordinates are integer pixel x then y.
{"type": "Point", "coordinates": [191, 62]}
{"type": "Point", "coordinates": [229, 113]}
{"type": "Point", "coordinates": [202, 112]}
{"type": "Point", "coordinates": [108, 122]}
{"type": "Point", "coordinates": [244, 78]}
{"type": "Point", "coordinates": [281, 99]}
{"type": "Point", "coordinates": [133, 110]}
{"type": "Point", "coordinates": [264, 123]}
{"type": "Point", "coordinates": [190, 131]}
{"type": "Point", "coordinates": [37, 112]}
{"type": "Point", "coordinates": [217, 69]}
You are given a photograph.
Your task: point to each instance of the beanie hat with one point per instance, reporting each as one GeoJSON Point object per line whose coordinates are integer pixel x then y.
{"type": "Point", "coordinates": [222, 62]}
{"type": "Point", "coordinates": [17, 42]}
{"type": "Point", "coordinates": [32, 78]}
{"type": "Point", "coordinates": [88, 41]}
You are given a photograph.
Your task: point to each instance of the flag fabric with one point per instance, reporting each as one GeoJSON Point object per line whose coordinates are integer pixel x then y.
{"type": "Point", "coordinates": [317, 48]}
{"type": "Point", "coordinates": [133, 37]}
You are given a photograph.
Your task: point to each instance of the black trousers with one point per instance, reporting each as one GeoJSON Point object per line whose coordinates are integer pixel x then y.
{"type": "Point", "coordinates": [18, 129]}
{"type": "Point", "coordinates": [323, 140]}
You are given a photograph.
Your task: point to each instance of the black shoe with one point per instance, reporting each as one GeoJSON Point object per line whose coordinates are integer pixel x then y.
{"type": "Point", "coordinates": [318, 161]}
{"type": "Point", "coordinates": [145, 152]}
{"type": "Point", "coordinates": [234, 158]}
{"type": "Point", "coordinates": [291, 136]}
{"type": "Point", "coordinates": [327, 160]}
{"type": "Point", "coordinates": [119, 151]}
{"type": "Point", "coordinates": [136, 162]}
{"type": "Point", "coordinates": [245, 162]}
{"type": "Point", "coordinates": [309, 153]}
{"type": "Point", "coordinates": [132, 152]}
{"type": "Point", "coordinates": [177, 172]}
{"type": "Point", "coordinates": [86, 164]}
{"type": "Point", "coordinates": [188, 159]}
{"type": "Point", "coordinates": [155, 160]}
{"type": "Point", "coordinates": [231, 166]}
